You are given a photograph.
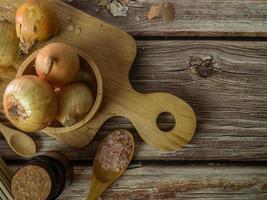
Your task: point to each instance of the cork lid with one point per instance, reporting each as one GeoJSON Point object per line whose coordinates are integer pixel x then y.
{"type": "Point", "coordinates": [31, 183]}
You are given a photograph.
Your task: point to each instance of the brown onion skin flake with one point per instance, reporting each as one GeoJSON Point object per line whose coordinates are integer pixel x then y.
{"type": "Point", "coordinates": [115, 151]}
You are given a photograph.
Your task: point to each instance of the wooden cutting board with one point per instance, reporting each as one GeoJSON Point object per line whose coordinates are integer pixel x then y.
{"type": "Point", "coordinates": [114, 52]}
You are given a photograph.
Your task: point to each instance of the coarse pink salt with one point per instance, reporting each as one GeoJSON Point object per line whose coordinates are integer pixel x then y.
{"type": "Point", "coordinates": [115, 151]}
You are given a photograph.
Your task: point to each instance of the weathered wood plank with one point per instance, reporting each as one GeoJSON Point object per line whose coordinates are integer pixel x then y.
{"type": "Point", "coordinates": [212, 181]}
{"type": "Point", "coordinates": [193, 18]}
{"type": "Point", "coordinates": [231, 104]}
{"type": "Point", "coordinates": [178, 182]}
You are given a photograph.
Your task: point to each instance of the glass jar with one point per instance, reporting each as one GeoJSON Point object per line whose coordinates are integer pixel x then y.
{"type": "Point", "coordinates": [43, 177]}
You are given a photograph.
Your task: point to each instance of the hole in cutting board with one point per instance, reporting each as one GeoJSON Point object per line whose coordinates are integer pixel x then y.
{"type": "Point", "coordinates": [166, 121]}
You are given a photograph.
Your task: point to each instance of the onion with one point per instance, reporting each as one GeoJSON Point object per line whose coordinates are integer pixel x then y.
{"type": "Point", "coordinates": [57, 63]}
{"type": "Point", "coordinates": [84, 76]}
{"type": "Point", "coordinates": [30, 103]}
{"type": "Point", "coordinates": [75, 101]}
{"type": "Point", "coordinates": [36, 20]}
{"type": "Point", "coordinates": [8, 43]}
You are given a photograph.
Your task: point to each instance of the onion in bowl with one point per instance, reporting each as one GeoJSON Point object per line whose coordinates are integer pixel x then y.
{"type": "Point", "coordinates": [57, 63]}
{"type": "Point", "coordinates": [30, 103]}
{"type": "Point", "coordinates": [75, 101]}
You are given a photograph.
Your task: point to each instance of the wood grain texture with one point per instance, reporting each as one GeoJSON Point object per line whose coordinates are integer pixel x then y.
{"type": "Point", "coordinates": [196, 182]}
{"type": "Point", "coordinates": [231, 104]}
{"type": "Point", "coordinates": [97, 38]}
{"type": "Point", "coordinates": [178, 182]}
{"type": "Point", "coordinates": [193, 18]}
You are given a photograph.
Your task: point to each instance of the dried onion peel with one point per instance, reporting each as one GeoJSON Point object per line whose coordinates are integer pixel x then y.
{"type": "Point", "coordinates": [30, 103]}
{"type": "Point", "coordinates": [8, 43]}
{"type": "Point", "coordinates": [36, 20]}
{"type": "Point", "coordinates": [166, 10]}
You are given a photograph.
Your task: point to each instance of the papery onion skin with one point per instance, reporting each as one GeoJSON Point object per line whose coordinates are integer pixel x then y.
{"type": "Point", "coordinates": [8, 43]}
{"type": "Point", "coordinates": [75, 101]}
{"type": "Point", "coordinates": [84, 76]}
{"type": "Point", "coordinates": [57, 63]}
{"type": "Point", "coordinates": [36, 20]}
{"type": "Point", "coordinates": [30, 103]}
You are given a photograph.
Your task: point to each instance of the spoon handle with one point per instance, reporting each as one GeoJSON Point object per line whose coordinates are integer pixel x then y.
{"type": "Point", "coordinates": [97, 188]}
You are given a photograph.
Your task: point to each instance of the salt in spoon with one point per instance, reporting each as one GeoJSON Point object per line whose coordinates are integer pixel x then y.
{"type": "Point", "coordinates": [113, 156]}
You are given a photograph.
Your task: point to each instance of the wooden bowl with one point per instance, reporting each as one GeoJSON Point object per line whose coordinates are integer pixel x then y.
{"type": "Point", "coordinates": [96, 85]}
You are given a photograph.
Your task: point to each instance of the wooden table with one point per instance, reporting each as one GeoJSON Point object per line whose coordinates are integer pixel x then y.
{"type": "Point", "coordinates": [227, 157]}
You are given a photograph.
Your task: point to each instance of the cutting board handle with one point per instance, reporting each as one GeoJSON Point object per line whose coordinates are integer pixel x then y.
{"type": "Point", "coordinates": [144, 111]}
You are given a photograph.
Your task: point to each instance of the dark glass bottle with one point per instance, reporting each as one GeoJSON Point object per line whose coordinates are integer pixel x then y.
{"type": "Point", "coordinates": [57, 166]}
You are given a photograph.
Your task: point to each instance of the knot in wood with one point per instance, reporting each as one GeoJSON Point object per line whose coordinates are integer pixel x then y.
{"type": "Point", "coordinates": [203, 65]}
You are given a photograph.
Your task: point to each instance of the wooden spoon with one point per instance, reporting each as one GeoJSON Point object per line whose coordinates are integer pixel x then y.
{"type": "Point", "coordinates": [103, 178]}
{"type": "Point", "coordinates": [19, 142]}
